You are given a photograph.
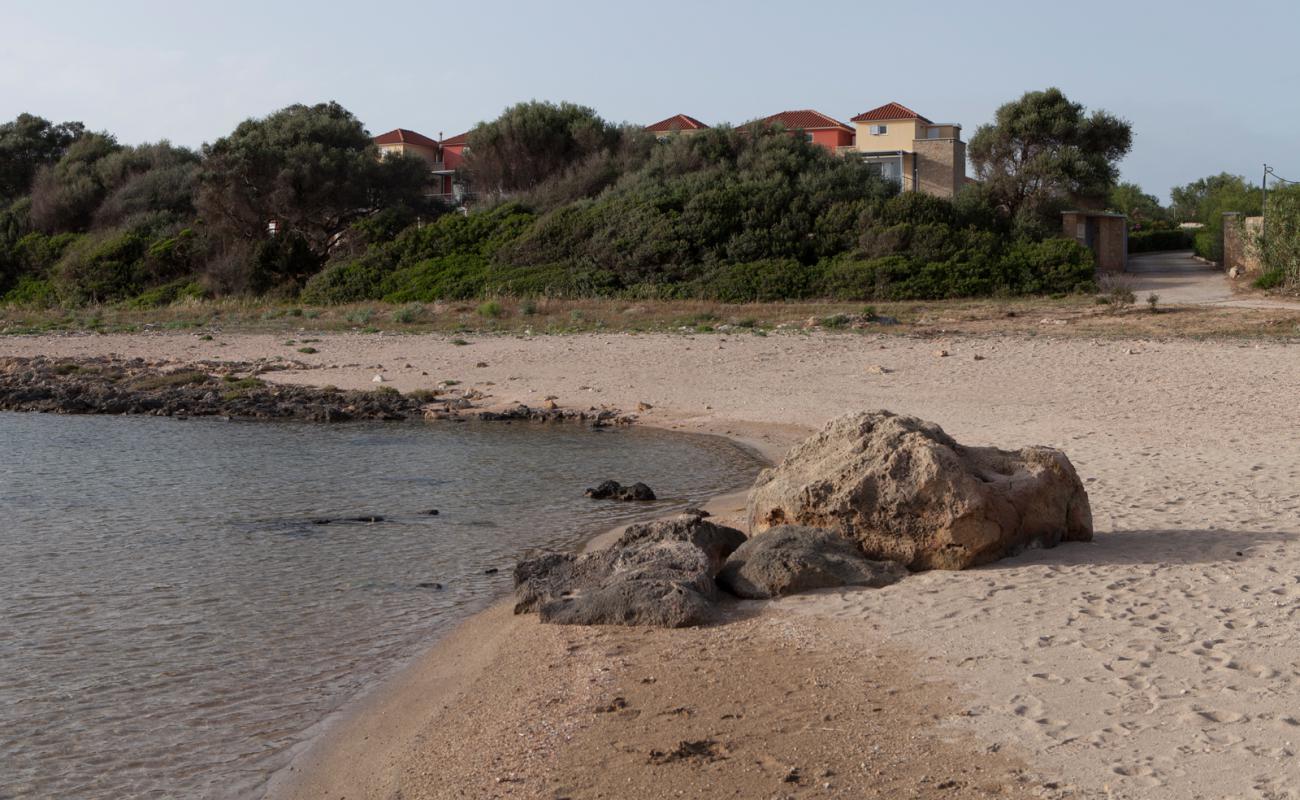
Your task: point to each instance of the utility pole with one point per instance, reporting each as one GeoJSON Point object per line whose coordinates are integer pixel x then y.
{"type": "Point", "coordinates": [1263, 212]}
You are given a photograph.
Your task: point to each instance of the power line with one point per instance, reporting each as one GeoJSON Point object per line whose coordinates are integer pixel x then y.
{"type": "Point", "coordinates": [1269, 171]}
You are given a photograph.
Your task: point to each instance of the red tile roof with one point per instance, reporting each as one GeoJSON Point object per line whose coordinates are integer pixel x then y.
{"type": "Point", "coordinates": [806, 120]}
{"type": "Point", "coordinates": [887, 112]}
{"type": "Point", "coordinates": [677, 122]}
{"type": "Point", "coordinates": [457, 141]}
{"type": "Point", "coordinates": [403, 136]}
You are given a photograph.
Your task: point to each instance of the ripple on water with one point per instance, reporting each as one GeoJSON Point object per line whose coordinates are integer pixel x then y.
{"type": "Point", "coordinates": [173, 619]}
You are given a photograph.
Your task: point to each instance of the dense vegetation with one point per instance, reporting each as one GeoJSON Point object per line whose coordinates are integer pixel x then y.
{"type": "Point", "coordinates": [298, 205]}
{"type": "Point", "coordinates": [1279, 244]}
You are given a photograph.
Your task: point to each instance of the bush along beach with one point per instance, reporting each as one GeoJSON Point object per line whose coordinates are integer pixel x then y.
{"type": "Point", "coordinates": [298, 206]}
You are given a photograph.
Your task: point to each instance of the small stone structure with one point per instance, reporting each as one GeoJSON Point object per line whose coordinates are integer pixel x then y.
{"type": "Point", "coordinates": [1240, 243]}
{"type": "Point", "coordinates": [1105, 234]}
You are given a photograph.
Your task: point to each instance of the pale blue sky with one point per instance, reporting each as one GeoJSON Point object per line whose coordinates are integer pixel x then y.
{"type": "Point", "coordinates": [1208, 86]}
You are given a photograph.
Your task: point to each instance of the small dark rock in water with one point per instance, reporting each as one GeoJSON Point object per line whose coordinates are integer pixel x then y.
{"type": "Point", "coordinates": [613, 490]}
{"type": "Point", "coordinates": [491, 571]}
{"type": "Point", "coordinates": [433, 512]}
{"type": "Point", "coordinates": [429, 585]}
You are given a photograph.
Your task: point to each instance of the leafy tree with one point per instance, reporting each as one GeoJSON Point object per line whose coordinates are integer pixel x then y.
{"type": "Point", "coordinates": [309, 171]}
{"type": "Point", "coordinates": [26, 144]}
{"type": "Point", "coordinates": [66, 193]}
{"type": "Point", "coordinates": [150, 178]}
{"type": "Point", "coordinates": [1200, 199]}
{"type": "Point", "coordinates": [1043, 151]}
{"type": "Point", "coordinates": [1206, 200]}
{"type": "Point", "coordinates": [1143, 210]}
{"type": "Point", "coordinates": [531, 142]}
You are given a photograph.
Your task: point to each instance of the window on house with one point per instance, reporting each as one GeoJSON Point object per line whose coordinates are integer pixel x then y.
{"type": "Point", "coordinates": [932, 133]}
{"type": "Point", "coordinates": [807, 137]}
{"type": "Point", "coordinates": [879, 130]}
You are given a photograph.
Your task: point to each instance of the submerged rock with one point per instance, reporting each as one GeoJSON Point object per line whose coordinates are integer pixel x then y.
{"type": "Point", "coordinates": [790, 559]}
{"type": "Point", "coordinates": [905, 491]}
{"type": "Point", "coordinates": [613, 490]}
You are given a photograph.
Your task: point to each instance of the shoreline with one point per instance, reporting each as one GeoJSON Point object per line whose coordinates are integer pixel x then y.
{"type": "Point", "coordinates": [372, 728]}
{"type": "Point", "coordinates": [1087, 664]}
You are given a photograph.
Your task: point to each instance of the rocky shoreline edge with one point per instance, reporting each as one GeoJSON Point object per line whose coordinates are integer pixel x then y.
{"type": "Point", "coordinates": [232, 389]}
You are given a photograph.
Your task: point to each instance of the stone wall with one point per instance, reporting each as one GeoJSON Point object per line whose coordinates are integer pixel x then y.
{"type": "Point", "coordinates": [1240, 242]}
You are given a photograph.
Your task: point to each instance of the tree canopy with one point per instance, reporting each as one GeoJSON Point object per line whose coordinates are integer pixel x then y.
{"type": "Point", "coordinates": [28, 143]}
{"type": "Point", "coordinates": [309, 171]}
{"type": "Point", "coordinates": [1043, 151]}
{"type": "Point", "coordinates": [531, 142]}
{"type": "Point", "coordinates": [1143, 210]}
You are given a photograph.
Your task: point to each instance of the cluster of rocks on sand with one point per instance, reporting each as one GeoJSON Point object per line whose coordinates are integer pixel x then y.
{"type": "Point", "coordinates": [870, 497]}
{"type": "Point", "coordinates": [109, 385]}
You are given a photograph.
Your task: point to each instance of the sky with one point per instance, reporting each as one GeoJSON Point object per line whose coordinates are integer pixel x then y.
{"type": "Point", "coordinates": [1208, 86]}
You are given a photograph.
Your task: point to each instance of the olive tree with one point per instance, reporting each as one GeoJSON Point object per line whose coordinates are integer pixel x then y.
{"type": "Point", "coordinates": [294, 182]}
{"type": "Point", "coordinates": [531, 142]}
{"type": "Point", "coordinates": [1043, 150]}
{"type": "Point", "coordinates": [27, 144]}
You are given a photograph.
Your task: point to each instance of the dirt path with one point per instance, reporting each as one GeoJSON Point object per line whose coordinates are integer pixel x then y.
{"type": "Point", "coordinates": [1180, 279]}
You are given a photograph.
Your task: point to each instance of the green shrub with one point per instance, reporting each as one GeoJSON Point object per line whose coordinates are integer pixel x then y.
{"type": "Point", "coordinates": [1158, 240]}
{"type": "Point", "coordinates": [101, 267]}
{"type": "Point", "coordinates": [411, 312]}
{"type": "Point", "coordinates": [1271, 279]}
{"type": "Point", "coordinates": [459, 277]}
{"type": "Point", "coordinates": [168, 293]}
{"type": "Point", "coordinates": [855, 279]}
{"type": "Point", "coordinates": [33, 293]}
{"type": "Point", "coordinates": [1050, 266]}
{"type": "Point", "coordinates": [490, 310]}
{"type": "Point", "coordinates": [759, 282]}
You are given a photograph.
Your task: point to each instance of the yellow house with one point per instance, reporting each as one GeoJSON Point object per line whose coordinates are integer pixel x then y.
{"type": "Point", "coordinates": [921, 155]}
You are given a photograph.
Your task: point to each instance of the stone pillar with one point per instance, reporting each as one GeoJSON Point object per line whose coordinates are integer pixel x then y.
{"type": "Point", "coordinates": [940, 166]}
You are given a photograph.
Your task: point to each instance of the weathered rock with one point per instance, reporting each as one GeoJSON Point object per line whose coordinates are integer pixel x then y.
{"type": "Point", "coordinates": [717, 541]}
{"type": "Point", "coordinates": [789, 559]}
{"type": "Point", "coordinates": [907, 492]}
{"type": "Point", "coordinates": [613, 490]}
{"type": "Point", "coordinates": [661, 583]}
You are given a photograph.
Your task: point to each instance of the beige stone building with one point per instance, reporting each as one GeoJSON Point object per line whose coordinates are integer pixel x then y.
{"type": "Point", "coordinates": [1104, 233]}
{"type": "Point", "coordinates": [921, 155]}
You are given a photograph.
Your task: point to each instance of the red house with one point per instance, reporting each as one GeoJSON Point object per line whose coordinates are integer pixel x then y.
{"type": "Point", "coordinates": [676, 124]}
{"type": "Point", "coordinates": [816, 127]}
{"type": "Point", "coordinates": [443, 157]}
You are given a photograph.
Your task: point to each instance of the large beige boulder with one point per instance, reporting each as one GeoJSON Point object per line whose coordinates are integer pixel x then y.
{"type": "Point", "coordinates": [906, 492]}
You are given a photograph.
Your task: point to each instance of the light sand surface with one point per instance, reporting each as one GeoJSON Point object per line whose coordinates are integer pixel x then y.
{"type": "Point", "coordinates": [1159, 661]}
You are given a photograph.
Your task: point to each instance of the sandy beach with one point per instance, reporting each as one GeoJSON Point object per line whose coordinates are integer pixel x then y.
{"type": "Point", "coordinates": [1156, 662]}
